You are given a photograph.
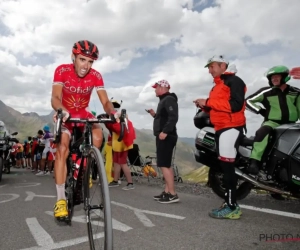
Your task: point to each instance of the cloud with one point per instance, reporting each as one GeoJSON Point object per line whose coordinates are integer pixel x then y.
{"type": "Point", "coordinates": [232, 26]}
{"type": "Point", "coordinates": [141, 42]}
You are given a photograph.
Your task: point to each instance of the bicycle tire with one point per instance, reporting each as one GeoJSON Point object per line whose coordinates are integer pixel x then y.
{"type": "Point", "coordinates": [94, 156]}
{"type": "Point", "coordinates": [70, 198]}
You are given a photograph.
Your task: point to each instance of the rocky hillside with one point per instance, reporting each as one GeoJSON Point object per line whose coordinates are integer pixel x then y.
{"type": "Point", "coordinates": [26, 124]}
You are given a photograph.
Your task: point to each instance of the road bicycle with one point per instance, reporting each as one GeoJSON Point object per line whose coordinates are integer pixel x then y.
{"type": "Point", "coordinates": [85, 172]}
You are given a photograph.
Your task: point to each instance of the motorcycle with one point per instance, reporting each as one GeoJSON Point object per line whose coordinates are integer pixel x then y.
{"type": "Point", "coordinates": [280, 170]}
{"type": "Point", "coordinates": [5, 153]}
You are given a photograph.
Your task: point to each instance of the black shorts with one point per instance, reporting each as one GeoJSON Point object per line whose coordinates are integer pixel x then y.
{"type": "Point", "coordinates": [164, 150]}
{"type": "Point", "coordinates": [19, 156]}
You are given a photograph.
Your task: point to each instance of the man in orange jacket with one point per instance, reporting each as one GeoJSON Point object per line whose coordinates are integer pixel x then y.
{"type": "Point", "coordinates": [226, 106]}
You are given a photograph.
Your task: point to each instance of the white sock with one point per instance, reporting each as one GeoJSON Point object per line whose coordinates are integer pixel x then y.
{"type": "Point", "coordinates": [60, 189]}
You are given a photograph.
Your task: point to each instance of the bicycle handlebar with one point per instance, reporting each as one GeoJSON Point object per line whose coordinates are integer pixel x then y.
{"type": "Point", "coordinates": [99, 119]}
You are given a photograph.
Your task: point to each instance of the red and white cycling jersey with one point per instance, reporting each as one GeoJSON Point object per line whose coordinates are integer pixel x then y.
{"type": "Point", "coordinates": [77, 90]}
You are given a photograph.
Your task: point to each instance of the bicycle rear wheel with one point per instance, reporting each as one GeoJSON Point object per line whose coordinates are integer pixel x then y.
{"type": "Point", "coordinates": [98, 212]}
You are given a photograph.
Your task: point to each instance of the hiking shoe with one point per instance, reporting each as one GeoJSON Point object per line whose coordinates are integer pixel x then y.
{"type": "Point", "coordinates": [168, 198]}
{"type": "Point", "coordinates": [225, 212]}
{"type": "Point", "coordinates": [129, 186]}
{"type": "Point", "coordinates": [113, 184]}
{"type": "Point", "coordinates": [224, 204]}
{"type": "Point", "coordinates": [60, 209]}
{"type": "Point", "coordinates": [157, 197]}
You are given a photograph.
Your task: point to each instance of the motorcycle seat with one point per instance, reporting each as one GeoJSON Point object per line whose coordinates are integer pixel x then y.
{"type": "Point", "coordinates": [247, 141]}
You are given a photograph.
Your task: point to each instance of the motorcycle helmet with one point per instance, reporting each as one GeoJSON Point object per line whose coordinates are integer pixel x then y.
{"type": "Point", "coordinates": [278, 70]}
{"type": "Point", "coordinates": [202, 119]}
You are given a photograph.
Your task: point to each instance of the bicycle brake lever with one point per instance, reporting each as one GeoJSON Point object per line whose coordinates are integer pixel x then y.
{"type": "Point", "coordinates": [126, 124]}
{"type": "Point", "coordinates": [124, 119]}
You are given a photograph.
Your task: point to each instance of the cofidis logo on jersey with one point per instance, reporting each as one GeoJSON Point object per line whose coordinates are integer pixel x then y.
{"type": "Point", "coordinates": [78, 89]}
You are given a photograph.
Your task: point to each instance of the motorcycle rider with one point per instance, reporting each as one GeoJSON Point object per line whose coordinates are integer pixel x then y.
{"type": "Point", "coordinates": [4, 133]}
{"type": "Point", "coordinates": [281, 106]}
{"type": "Point", "coordinates": [226, 106]}
{"type": "Point", "coordinates": [3, 130]}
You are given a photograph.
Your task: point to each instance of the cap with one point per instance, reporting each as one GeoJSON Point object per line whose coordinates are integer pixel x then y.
{"type": "Point", "coordinates": [220, 59]}
{"type": "Point", "coordinates": [162, 83]}
{"type": "Point", "coordinates": [46, 128]}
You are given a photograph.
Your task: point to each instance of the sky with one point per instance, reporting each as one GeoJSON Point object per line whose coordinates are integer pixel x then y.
{"type": "Point", "coordinates": [141, 42]}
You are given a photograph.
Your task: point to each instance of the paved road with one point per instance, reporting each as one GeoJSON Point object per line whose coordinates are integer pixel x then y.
{"type": "Point", "coordinates": [141, 222]}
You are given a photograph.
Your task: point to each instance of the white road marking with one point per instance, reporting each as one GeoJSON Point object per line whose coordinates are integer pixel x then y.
{"type": "Point", "coordinates": [173, 216]}
{"type": "Point", "coordinates": [31, 195]}
{"type": "Point", "coordinates": [40, 235]}
{"type": "Point", "coordinates": [140, 214]}
{"type": "Point", "coordinates": [271, 211]}
{"type": "Point", "coordinates": [27, 184]}
{"type": "Point", "coordinates": [3, 185]}
{"type": "Point", "coordinates": [13, 197]}
{"type": "Point", "coordinates": [144, 219]}
{"type": "Point", "coordinates": [66, 243]}
{"type": "Point", "coordinates": [117, 225]}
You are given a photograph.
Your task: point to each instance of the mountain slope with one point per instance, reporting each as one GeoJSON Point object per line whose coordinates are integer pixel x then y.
{"type": "Point", "coordinates": [188, 140]}
{"type": "Point", "coordinates": [26, 124]}
{"type": "Point", "coordinates": [199, 175]}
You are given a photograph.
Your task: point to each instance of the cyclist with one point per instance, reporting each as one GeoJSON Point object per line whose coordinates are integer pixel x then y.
{"type": "Point", "coordinates": [71, 91]}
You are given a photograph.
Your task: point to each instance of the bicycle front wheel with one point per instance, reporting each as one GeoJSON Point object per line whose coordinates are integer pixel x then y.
{"type": "Point", "coordinates": [97, 203]}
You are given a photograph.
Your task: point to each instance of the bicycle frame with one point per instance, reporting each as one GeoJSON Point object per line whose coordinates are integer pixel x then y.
{"type": "Point", "coordinates": [87, 139]}
{"type": "Point", "coordinates": [75, 154]}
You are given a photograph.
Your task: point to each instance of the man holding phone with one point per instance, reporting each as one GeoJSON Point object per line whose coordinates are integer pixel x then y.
{"type": "Point", "coordinates": [164, 129]}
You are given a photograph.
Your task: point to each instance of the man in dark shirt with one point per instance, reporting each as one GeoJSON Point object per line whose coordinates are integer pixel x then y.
{"type": "Point", "coordinates": [164, 129]}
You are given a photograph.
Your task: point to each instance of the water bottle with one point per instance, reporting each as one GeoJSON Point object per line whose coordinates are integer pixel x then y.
{"type": "Point", "coordinates": [76, 170]}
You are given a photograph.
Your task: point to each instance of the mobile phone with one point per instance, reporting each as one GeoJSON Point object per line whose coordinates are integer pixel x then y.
{"type": "Point", "coordinates": [147, 110]}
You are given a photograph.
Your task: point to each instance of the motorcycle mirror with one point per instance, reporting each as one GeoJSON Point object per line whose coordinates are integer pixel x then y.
{"type": "Point", "coordinates": [15, 133]}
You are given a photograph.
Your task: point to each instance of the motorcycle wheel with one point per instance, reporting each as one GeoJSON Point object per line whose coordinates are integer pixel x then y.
{"type": "Point", "coordinates": [1, 168]}
{"type": "Point", "coordinates": [216, 184]}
